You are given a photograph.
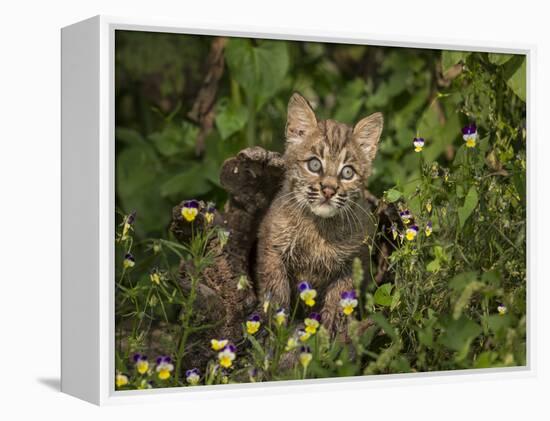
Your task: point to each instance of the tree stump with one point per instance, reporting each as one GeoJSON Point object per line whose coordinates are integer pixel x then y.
{"type": "Point", "coordinates": [251, 179]}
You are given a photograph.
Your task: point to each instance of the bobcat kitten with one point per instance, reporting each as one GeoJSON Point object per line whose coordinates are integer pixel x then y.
{"type": "Point", "coordinates": [318, 220]}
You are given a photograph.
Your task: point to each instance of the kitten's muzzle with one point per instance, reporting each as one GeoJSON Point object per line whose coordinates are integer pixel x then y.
{"type": "Point", "coordinates": [328, 192]}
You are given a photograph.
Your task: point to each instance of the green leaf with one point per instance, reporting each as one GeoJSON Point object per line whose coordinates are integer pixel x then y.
{"type": "Point", "coordinates": [258, 68]}
{"type": "Point", "coordinates": [190, 183]}
{"type": "Point", "coordinates": [450, 58]}
{"type": "Point", "coordinates": [392, 195]}
{"type": "Point", "coordinates": [230, 118]}
{"type": "Point", "coordinates": [381, 321]}
{"type": "Point", "coordinates": [458, 334]}
{"type": "Point", "coordinates": [382, 296]}
{"type": "Point", "coordinates": [470, 203]}
{"type": "Point", "coordinates": [175, 139]}
{"type": "Point", "coordinates": [516, 76]}
{"type": "Point", "coordinates": [129, 136]}
{"type": "Point", "coordinates": [460, 281]}
{"type": "Point", "coordinates": [499, 59]}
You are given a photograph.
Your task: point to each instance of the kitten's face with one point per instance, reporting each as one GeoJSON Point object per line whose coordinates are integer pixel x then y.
{"type": "Point", "coordinates": [328, 162]}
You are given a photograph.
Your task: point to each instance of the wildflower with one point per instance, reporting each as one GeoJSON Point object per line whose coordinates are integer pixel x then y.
{"type": "Point", "coordinates": [193, 376]}
{"type": "Point", "coordinates": [406, 216]}
{"type": "Point", "coordinates": [307, 294]}
{"type": "Point", "coordinates": [127, 224]}
{"type": "Point", "coordinates": [305, 356]}
{"type": "Point", "coordinates": [502, 310]}
{"type": "Point", "coordinates": [253, 324]}
{"type": "Point", "coordinates": [428, 230]}
{"type": "Point", "coordinates": [144, 384]}
{"type": "Point", "coordinates": [189, 210]}
{"type": "Point", "coordinates": [429, 206]}
{"type": "Point", "coordinates": [129, 261]}
{"type": "Point", "coordinates": [209, 213]}
{"type": "Point", "coordinates": [223, 237]}
{"type": "Point", "coordinates": [312, 323]}
{"type": "Point", "coordinates": [142, 365]}
{"type": "Point", "coordinates": [156, 247]}
{"type": "Point", "coordinates": [227, 356]}
{"type": "Point", "coordinates": [121, 380]}
{"type": "Point", "coordinates": [411, 232]}
{"type": "Point", "coordinates": [469, 134]}
{"type": "Point", "coordinates": [218, 344]}
{"type": "Point", "coordinates": [252, 374]}
{"type": "Point", "coordinates": [303, 335]}
{"type": "Point", "coordinates": [348, 301]}
{"type": "Point", "coordinates": [243, 283]}
{"type": "Point", "coordinates": [394, 231]}
{"type": "Point", "coordinates": [164, 367]}
{"type": "Point", "coordinates": [292, 343]}
{"type": "Point", "coordinates": [418, 143]}
{"type": "Point", "coordinates": [280, 317]}
{"type": "Point", "coordinates": [267, 301]}
{"type": "Point", "coordinates": [155, 276]}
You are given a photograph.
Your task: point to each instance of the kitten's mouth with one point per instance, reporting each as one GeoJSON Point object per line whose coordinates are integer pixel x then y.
{"type": "Point", "coordinates": [324, 209]}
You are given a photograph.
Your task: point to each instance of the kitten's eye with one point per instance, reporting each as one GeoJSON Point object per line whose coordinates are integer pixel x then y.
{"type": "Point", "coordinates": [314, 165]}
{"type": "Point", "coordinates": [347, 173]}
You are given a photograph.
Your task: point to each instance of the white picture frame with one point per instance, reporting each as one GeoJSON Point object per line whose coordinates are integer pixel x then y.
{"type": "Point", "coordinates": [88, 212]}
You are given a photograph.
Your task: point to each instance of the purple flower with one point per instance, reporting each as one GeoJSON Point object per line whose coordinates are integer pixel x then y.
{"type": "Point", "coordinates": [304, 286]}
{"type": "Point", "coordinates": [231, 348]}
{"type": "Point", "coordinates": [131, 218]}
{"type": "Point", "coordinates": [305, 348]}
{"type": "Point", "coordinates": [192, 371]}
{"type": "Point", "coordinates": [164, 359]}
{"type": "Point", "coordinates": [469, 129]}
{"type": "Point", "coordinates": [315, 316]}
{"type": "Point", "coordinates": [348, 295]}
{"type": "Point", "coordinates": [139, 357]}
{"type": "Point", "coordinates": [254, 318]}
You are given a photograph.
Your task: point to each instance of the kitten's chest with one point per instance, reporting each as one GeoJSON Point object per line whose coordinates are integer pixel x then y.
{"type": "Point", "coordinates": [320, 257]}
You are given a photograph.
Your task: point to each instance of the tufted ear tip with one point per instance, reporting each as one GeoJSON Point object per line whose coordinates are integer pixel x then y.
{"type": "Point", "coordinates": [300, 118]}
{"type": "Point", "coordinates": [367, 133]}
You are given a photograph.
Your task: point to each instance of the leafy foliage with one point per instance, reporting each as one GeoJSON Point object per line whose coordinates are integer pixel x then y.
{"type": "Point", "coordinates": [459, 296]}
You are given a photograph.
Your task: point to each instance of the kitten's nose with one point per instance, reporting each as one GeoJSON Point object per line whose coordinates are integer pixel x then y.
{"type": "Point", "coordinates": [328, 192]}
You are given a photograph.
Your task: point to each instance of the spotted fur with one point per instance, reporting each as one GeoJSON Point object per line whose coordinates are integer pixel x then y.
{"type": "Point", "coordinates": [318, 221]}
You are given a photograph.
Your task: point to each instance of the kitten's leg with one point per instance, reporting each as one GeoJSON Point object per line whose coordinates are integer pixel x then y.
{"type": "Point", "coordinates": [273, 281]}
{"type": "Point", "coordinates": [331, 314]}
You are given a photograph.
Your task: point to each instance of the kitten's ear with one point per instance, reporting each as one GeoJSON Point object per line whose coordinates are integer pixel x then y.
{"type": "Point", "coordinates": [367, 134]}
{"type": "Point", "coordinates": [300, 120]}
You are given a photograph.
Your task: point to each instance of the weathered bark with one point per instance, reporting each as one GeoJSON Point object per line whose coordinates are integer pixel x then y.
{"type": "Point", "coordinates": [251, 179]}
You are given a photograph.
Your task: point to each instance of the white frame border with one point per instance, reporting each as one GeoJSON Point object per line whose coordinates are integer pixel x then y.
{"type": "Point", "coordinates": [107, 395]}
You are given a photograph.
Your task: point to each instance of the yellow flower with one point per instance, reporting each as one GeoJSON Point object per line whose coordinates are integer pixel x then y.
{"type": "Point", "coordinates": [305, 356]}
{"type": "Point", "coordinates": [218, 345]}
{"type": "Point", "coordinates": [280, 317]}
{"type": "Point", "coordinates": [155, 277]}
{"type": "Point", "coordinates": [142, 365]}
{"type": "Point", "coordinates": [429, 206]}
{"type": "Point", "coordinates": [502, 310]}
{"type": "Point", "coordinates": [291, 344]}
{"type": "Point", "coordinates": [428, 230]}
{"type": "Point", "coordinates": [307, 294]}
{"type": "Point", "coordinates": [312, 323]}
{"type": "Point", "coordinates": [471, 142]}
{"type": "Point", "coordinates": [303, 335]}
{"type": "Point", "coordinates": [129, 261]}
{"type": "Point", "coordinates": [253, 324]}
{"type": "Point", "coordinates": [121, 380]}
{"type": "Point", "coordinates": [411, 233]}
{"type": "Point", "coordinates": [164, 367]}
{"type": "Point", "coordinates": [227, 356]}
{"type": "Point", "coordinates": [348, 301]}
{"type": "Point", "coordinates": [190, 210]}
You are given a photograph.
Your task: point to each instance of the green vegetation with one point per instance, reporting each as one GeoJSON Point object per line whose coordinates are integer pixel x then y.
{"type": "Point", "coordinates": [459, 296]}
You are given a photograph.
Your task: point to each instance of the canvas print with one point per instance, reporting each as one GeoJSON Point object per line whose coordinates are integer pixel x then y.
{"type": "Point", "coordinates": [300, 210]}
